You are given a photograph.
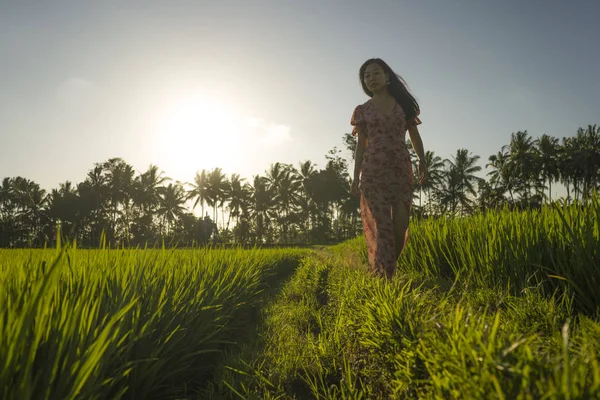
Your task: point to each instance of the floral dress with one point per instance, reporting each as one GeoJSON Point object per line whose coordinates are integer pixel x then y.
{"type": "Point", "coordinates": [385, 182]}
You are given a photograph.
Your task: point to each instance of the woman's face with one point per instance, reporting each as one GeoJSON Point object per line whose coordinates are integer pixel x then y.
{"type": "Point", "coordinates": [374, 77]}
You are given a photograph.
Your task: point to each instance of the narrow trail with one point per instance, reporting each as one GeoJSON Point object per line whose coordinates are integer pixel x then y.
{"type": "Point", "coordinates": [251, 342]}
{"type": "Point", "coordinates": [291, 316]}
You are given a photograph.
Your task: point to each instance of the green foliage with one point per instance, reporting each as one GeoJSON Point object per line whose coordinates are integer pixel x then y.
{"type": "Point", "coordinates": [491, 306]}
{"type": "Point", "coordinates": [287, 204]}
{"type": "Point", "coordinates": [125, 323]}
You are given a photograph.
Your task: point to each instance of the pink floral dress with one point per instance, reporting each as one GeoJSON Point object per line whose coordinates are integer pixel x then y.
{"type": "Point", "coordinates": [385, 182]}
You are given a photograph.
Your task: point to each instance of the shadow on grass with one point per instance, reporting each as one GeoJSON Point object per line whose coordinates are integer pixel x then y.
{"type": "Point", "coordinates": [247, 343]}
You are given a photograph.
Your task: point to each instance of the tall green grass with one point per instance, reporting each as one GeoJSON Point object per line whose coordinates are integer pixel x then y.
{"type": "Point", "coordinates": [336, 332]}
{"type": "Point", "coordinates": [496, 306]}
{"type": "Point", "coordinates": [136, 324]}
{"type": "Point", "coordinates": [556, 248]}
{"type": "Point", "coordinates": [502, 305]}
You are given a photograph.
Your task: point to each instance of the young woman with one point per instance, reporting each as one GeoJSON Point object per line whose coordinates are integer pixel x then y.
{"type": "Point", "coordinates": [383, 166]}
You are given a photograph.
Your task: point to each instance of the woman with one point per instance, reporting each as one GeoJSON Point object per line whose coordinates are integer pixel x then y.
{"type": "Point", "coordinates": [383, 163]}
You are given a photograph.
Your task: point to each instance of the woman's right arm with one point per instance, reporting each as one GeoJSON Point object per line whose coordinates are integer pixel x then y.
{"type": "Point", "coordinates": [358, 155]}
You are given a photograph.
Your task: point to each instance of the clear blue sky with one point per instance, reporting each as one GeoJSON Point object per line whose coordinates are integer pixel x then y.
{"type": "Point", "coordinates": [241, 84]}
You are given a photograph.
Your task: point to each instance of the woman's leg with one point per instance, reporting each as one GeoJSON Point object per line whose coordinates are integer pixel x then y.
{"type": "Point", "coordinates": [379, 232]}
{"type": "Point", "coordinates": [400, 220]}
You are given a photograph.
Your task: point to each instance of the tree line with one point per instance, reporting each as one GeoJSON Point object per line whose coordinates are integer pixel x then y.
{"type": "Point", "coordinates": [287, 204]}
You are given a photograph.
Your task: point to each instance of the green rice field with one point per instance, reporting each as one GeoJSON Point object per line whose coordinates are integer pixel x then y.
{"type": "Point", "coordinates": [496, 306]}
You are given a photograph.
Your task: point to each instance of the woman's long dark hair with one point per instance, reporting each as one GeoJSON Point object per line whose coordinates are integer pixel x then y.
{"type": "Point", "coordinates": [397, 88]}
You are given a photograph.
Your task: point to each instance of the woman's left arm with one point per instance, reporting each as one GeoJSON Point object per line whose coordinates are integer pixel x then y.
{"type": "Point", "coordinates": [416, 141]}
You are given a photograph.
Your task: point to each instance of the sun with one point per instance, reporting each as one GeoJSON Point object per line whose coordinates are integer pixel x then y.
{"type": "Point", "coordinates": [199, 133]}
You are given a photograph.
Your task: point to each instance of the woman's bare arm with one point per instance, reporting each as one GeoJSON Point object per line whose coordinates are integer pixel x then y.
{"type": "Point", "coordinates": [358, 155]}
{"type": "Point", "coordinates": [417, 143]}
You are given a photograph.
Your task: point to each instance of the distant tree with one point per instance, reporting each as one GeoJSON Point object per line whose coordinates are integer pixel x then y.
{"type": "Point", "coordinates": [522, 158]}
{"type": "Point", "coordinates": [459, 182]}
{"type": "Point", "coordinates": [547, 149]}
{"type": "Point", "coordinates": [287, 204]}
{"type": "Point", "coordinates": [171, 205]}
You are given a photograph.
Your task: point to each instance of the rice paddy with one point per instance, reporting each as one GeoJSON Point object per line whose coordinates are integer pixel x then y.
{"type": "Point", "coordinates": [499, 305]}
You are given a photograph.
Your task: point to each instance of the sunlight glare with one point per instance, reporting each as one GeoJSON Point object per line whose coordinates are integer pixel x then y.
{"type": "Point", "coordinates": [200, 134]}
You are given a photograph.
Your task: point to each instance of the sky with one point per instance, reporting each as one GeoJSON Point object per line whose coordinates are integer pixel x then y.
{"type": "Point", "coordinates": [240, 84]}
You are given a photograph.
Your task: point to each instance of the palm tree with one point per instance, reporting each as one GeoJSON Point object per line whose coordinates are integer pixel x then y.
{"type": "Point", "coordinates": [6, 197]}
{"type": "Point", "coordinates": [501, 174]}
{"type": "Point", "coordinates": [8, 206]}
{"type": "Point", "coordinates": [461, 180]}
{"type": "Point", "coordinates": [120, 178]}
{"type": "Point", "coordinates": [225, 196]}
{"type": "Point", "coordinates": [287, 195]}
{"type": "Point", "coordinates": [239, 194]}
{"type": "Point", "coordinates": [147, 188]}
{"type": "Point", "coordinates": [198, 191]}
{"type": "Point", "coordinates": [450, 193]}
{"type": "Point", "coordinates": [171, 206]}
{"type": "Point", "coordinates": [245, 198]}
{"type": "Point", "coordinates": [587, 158]}
{"type": "Point", "coordinates": [261, 204]}
{"type": "Point", "coordinates": [435, 169]}
{"type": "Point", "coordinates": [523, 160]}
{"type": "Point", "coordinates": [490, 197]}
{"type": "Point", "coordinates": [215, 189]}
{"type": "Point", "coordinates": [351, 210]}
{"type": "Point", "coordinates": [28, 208]}
{"type": "Point", "coordinates": [94, 203]}
{"type": "Point", "coordinates": [305, 173]}
{"type": "Point", "coordinates": [62, 207]}
{"type": "Point", "coordinates": [6, 212]}
{"type": "Point", "coordinates": [274, 175]}
{"type": "Point", "coordinates": [547, 148]}
{"type": "Point", "coordinates": [35, 202]}
{"type": "Point", "coordinates": [566, 165]}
